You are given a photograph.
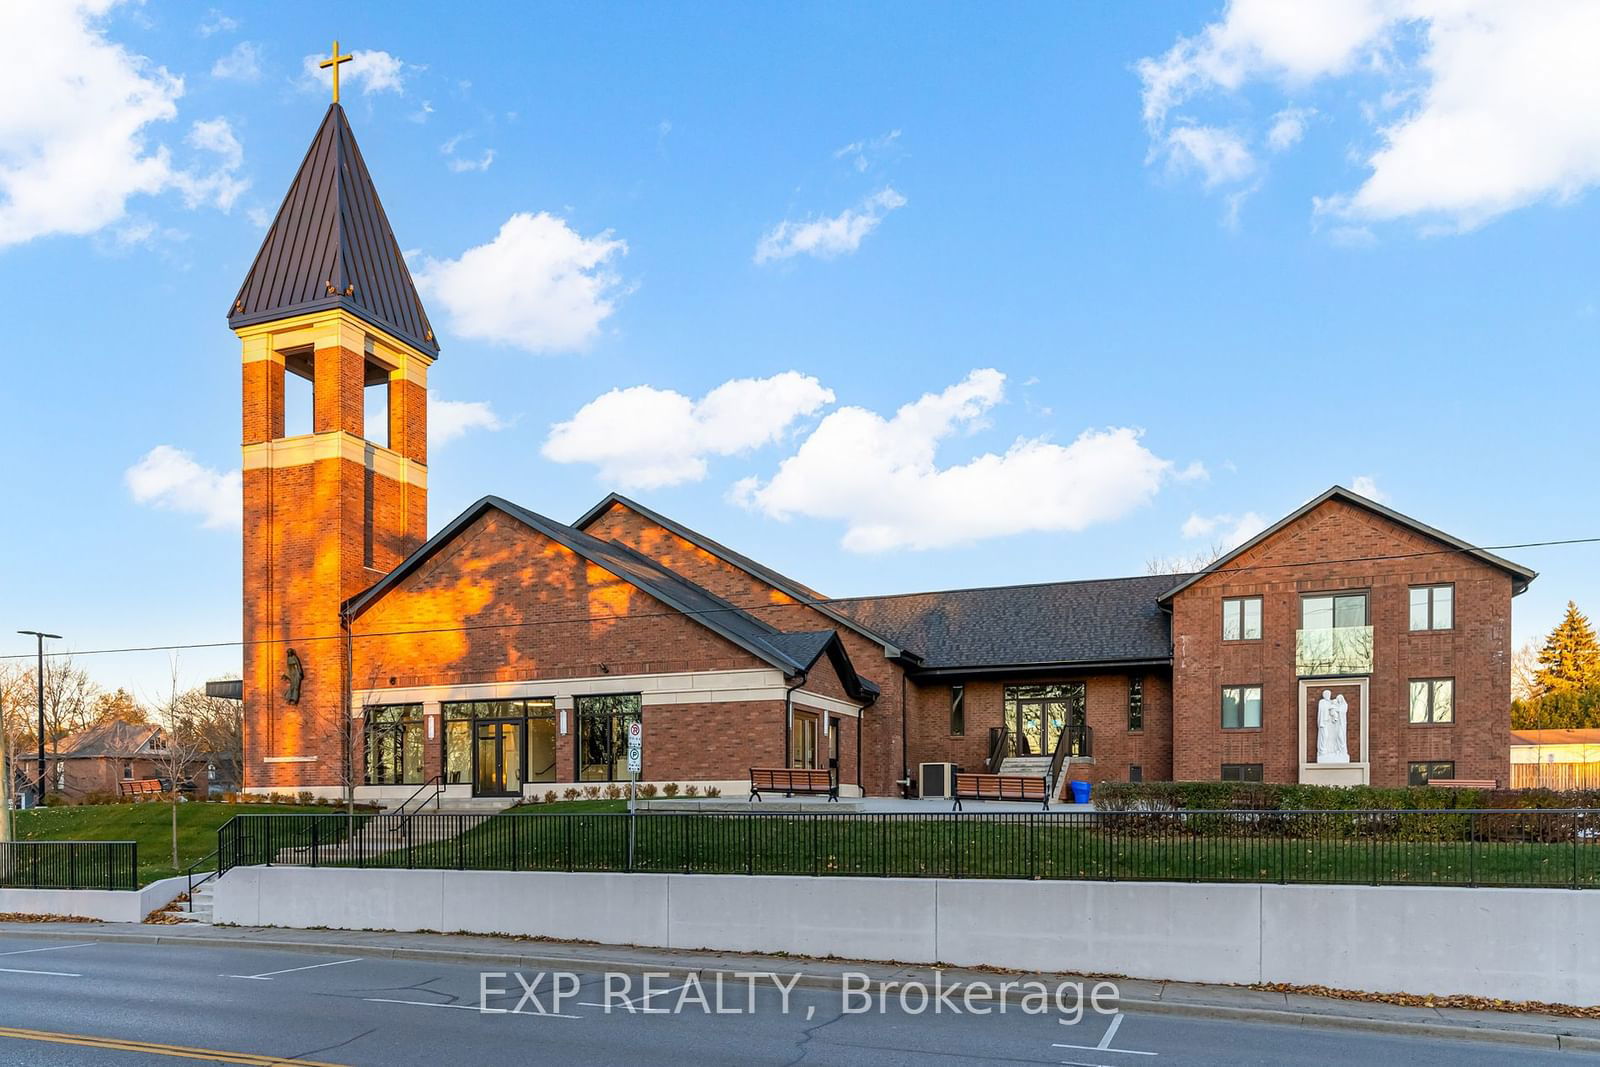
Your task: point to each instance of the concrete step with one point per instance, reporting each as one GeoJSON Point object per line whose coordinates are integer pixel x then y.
{"type": "Point", "coordinates": [1037, 766]}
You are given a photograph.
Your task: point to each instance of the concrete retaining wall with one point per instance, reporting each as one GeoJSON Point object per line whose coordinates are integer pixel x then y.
{"type": "Point", "coordinates": [110, 905]}
{"type": "Point", "coordinates": [1520, 944]}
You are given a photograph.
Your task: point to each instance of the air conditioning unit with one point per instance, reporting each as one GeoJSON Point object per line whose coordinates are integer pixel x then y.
{"type": "Point", "coordinates": [935, 779]}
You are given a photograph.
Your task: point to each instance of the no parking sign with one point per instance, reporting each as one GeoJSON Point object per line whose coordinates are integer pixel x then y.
{"type": "Point", "coordinates": [635, 747]}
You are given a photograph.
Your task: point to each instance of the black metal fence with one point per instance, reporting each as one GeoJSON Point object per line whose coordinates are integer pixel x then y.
{"type": "Point", "coordinates": [69, 865]}
{"type": "Point", "coordinates": [1552, 848]}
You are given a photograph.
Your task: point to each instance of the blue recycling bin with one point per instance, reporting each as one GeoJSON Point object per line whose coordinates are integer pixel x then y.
{"type": "Point", "coordinates": [1080, 792]}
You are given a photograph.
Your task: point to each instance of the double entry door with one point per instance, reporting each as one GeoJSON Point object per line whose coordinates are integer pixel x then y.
{"type": "Point", "coordinates": [497, 757]}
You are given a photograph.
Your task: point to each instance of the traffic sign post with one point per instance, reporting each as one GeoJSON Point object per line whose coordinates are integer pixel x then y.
{"type": "Point", "coordinates": [635, 765]}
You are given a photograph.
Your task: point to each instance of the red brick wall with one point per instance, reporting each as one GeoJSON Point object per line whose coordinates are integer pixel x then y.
{"type": "Point", "coordinates": [502, 602]}
{"type": "Point", "coordinates": [306, 549]}
{"type": "Point", "coordinates": [881, 734]}
{"type": "Point", "coordinates": [1475, 653]}
{"type": "Point", "coordinates": [1106, 711]}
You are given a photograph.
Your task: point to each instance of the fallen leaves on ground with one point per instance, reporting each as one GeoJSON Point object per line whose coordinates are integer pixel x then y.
{"type": "Point", "coordinates": [29, 917]}
{"type": "Point", "coordinates": [1424, 1000]}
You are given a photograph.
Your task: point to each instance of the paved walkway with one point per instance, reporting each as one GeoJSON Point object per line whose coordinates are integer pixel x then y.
{"type": "Point", "coordinates": [1179, 998]}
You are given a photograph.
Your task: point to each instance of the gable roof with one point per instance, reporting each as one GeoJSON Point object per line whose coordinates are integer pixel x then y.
{"type": "Point", "coordinates": [1101, 622]}
{"type": "Point", "coordinates": [791, 653]}
{"type": "Point", "coordinates": [803, 593]}
{"type": "Point", "coordinates": [1520, 575]}
{"type": "Point", "coordinates": [116, 738]}
{"type": "Point", "coordinates": [331, 246]}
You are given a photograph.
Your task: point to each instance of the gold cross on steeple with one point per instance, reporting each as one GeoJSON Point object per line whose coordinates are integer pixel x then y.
{"type": "Point", "coordinates": [334, 62]}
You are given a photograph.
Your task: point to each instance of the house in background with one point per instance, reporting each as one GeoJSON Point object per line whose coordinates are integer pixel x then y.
{"type": "Point", "coordinates": [100, 759]}
{"type": "Point", "coordinates": [1555, 759]}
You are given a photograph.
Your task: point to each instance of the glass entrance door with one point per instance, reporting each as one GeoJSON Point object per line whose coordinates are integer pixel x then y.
{"type": "Point", "coordinates": [497, 758]}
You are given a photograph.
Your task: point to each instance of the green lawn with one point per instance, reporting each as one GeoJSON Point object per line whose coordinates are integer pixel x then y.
{"type": "Point", "coordinates": [148, 823]}
{"type": "Point", "coordinates": [968, 847]}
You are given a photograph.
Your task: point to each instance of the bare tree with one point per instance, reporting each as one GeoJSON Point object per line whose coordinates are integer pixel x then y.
{"type": "Point", "coordinates": [1524, 672]}
{"type": "Point", "coordinates": [177, 748]}
{"type": "Point", "coordinates": [218, 723]}
{"type": "Point", "coordinates": [1186, 564]}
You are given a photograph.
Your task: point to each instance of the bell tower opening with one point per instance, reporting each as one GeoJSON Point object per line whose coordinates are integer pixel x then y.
{"type": "Point", "coordinates": [299, 394]}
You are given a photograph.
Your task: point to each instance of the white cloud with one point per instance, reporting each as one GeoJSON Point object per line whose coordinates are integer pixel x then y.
{"type": "Point", "coordinates": [371, 72]}
{"type": "Point", "coordinates": [645, 438]}
{"type": "Point", "coordinates": [421, 114]}
{"type": "Point", "coordinates": [881, 477]}
{"type": "Point", "coordinates": [1220, 155]}
{"type": "Point", "coordinates": [170, 479]}
{"type": "Point", "coordinates": [1230, 530]}
{"type": "Point", "coordinates": [539, 285]}
{"type": "Point", "coordinates": [219, 186]}
{"type": "Point", "coordinates": [1367, 486]}
{"type": "Point", "coordinates": [450, 419]}
{"type": "Point", "coordinates": [75, 117]}
{"type": "Point", "coordinates": [216, 22]}
{"type": "Point", "coordinates": [828, 237]}
{"type": "Point", "coordinates": [1288, 127]}
{"type": "Point", "coordinates": [242, 64]}
{"type": "Point", "coordinates": [1484, 105]}
{"type": "Point", "coordinates": [863, 154]}
{"type": "Point", "coordinates": [459, 165]}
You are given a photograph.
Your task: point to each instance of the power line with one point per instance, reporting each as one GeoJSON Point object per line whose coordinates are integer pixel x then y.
{"type": "Point", "coordinates": [730, 607]}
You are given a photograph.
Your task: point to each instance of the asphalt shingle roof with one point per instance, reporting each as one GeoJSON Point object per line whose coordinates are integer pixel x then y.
{"type": "Point", "coordinates": [107, 739]}
{"type": "Point", "coordinates": [1100, 621]}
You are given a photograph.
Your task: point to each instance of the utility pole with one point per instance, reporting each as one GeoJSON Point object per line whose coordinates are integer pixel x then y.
{"type": "Point", "coordinates": [40, 676]}
{"type": "Point", "coordinates": [5, 782]}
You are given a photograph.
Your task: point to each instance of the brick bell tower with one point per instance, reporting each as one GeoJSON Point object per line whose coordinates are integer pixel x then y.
{"type": "Point", "coordinates": [326, 513]}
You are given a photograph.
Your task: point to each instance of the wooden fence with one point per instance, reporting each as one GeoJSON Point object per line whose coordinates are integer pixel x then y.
{"type": "Point", "coordinates": [1555, 776]}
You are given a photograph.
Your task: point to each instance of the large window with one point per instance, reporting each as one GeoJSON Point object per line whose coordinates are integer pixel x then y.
{"type": "Point", "coordinates": [1036, 716]}
{"type": "Point", "coordinates": [1333, 610]}
{"type": "Point", "coordinates": [958, 710]}
{"type": "Point", "coordinates": [1421, 773]}
{"type": "Point", "coordinates": [1433, 700]}
{"type": "Point", "coordinates": [1241, 707]}
{"type": "Point", "coordinates": [394, 744]}
{"type": "Point", "coordinates": [1433, 607]}
{"type": "Point", "coordinates": [1135, 704]}
{"type": "Point", "coordinates": [1241, 618]}
{"type": "Point", "coordinates": [1241, 772]}
{"type": "Point", "coordinates": [536, 716]}
{"type": "Point", "coordinates": [603, 736]}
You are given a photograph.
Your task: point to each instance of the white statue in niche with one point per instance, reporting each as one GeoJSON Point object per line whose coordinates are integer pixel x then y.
{"type": "Point", "coordinates": [1332, 714]}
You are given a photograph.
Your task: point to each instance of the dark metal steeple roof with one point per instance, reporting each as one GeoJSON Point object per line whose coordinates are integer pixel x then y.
{"type": "Point", "coordinates": [331, 246]}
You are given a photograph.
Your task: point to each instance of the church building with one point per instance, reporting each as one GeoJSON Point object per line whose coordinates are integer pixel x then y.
{"type": "Point", "coordinates": [507, 654]}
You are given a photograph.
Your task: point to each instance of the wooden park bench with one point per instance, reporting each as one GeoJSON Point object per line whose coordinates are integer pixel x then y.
{"type": "Point", "coordinates": [1463, 783]}
{"type": "Point", "coordinates": [142, 787]}
{"type": "Point", "coordinates": [792, 780]}
{"type": "Point", "coordinates": [1001, 787]}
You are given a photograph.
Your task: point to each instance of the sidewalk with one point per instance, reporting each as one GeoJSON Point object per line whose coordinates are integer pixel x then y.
{"type": "Point", "coordinates": [507, 953]}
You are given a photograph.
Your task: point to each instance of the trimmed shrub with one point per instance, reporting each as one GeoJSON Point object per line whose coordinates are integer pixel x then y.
{"type": "Point", "coordinates": [670, 789]}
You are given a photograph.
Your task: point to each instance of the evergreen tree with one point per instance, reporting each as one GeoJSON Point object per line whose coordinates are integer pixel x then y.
{"type": "Point", "coordinates": [1570, 659]}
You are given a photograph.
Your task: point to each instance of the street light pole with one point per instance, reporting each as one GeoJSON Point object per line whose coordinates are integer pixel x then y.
{"type": "Point", "coordinates": [40, 675]}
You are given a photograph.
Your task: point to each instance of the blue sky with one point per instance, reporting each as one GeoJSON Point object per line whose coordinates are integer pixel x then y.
{"type": "Point", "coordinates": [1163, 272]}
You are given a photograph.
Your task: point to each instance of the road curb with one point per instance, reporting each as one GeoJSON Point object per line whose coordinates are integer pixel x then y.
{"type": "Point", "coordinates": [625, 965]}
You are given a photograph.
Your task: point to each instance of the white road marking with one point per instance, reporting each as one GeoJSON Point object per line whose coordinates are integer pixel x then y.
{"type": "Point", "coordinates": [267, 976]}
{"type": "Point", "coordinates": [469, 1007]}
{"type": "Point", "coordinates": [53, 974]}
{"type": "Point", "coordinates": [1105, 1043]}
{"type": "Point", "coordinates": [1111, 1031]}
{"type": "Point", "coordinates": [47, 948]}
{"type": "Point", "coordinates": [631, 1002]}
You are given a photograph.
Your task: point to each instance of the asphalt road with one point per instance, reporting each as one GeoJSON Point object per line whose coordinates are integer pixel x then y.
{"type": "Point", "coordinates": [87, 1003]}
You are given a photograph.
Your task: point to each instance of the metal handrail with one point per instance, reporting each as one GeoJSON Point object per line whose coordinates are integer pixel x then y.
{"type": "Point", "coordinates": [997, 748]}
{"type": "Point", "coordinates": [189, 873]}
{"type": "Point", "coordinates": [437, 781]}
